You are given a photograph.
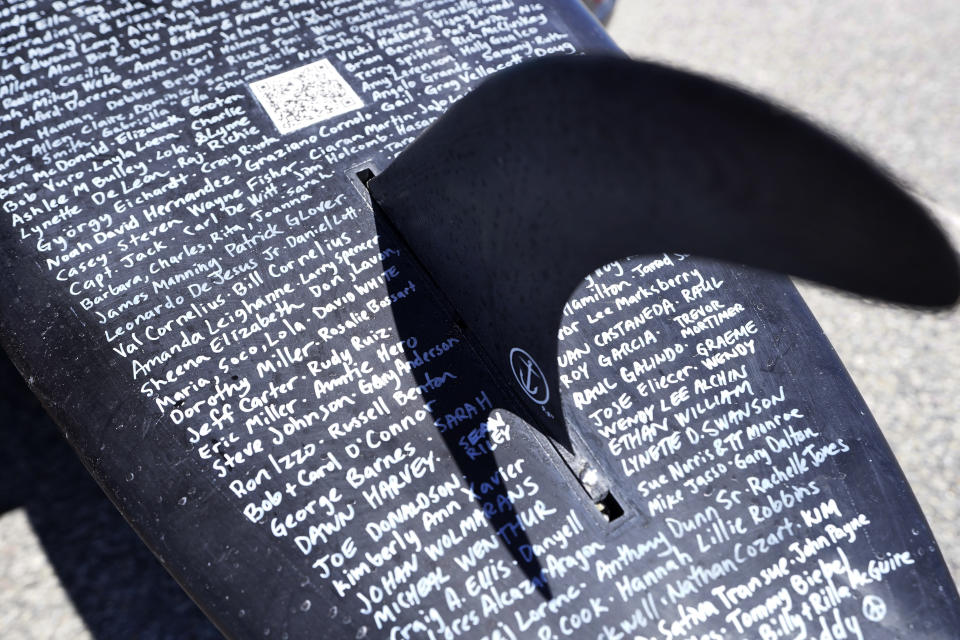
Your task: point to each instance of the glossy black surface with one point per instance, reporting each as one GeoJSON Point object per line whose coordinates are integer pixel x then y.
{"type": "Point", "coordinates": [206, 357]}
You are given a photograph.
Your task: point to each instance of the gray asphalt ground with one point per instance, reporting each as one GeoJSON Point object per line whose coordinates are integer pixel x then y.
{"type": "Point", "coordinates": [884, 76]}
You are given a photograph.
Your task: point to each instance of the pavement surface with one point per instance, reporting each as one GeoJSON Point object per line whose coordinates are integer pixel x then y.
{"type": "Point", "coordinates": [882, 75]}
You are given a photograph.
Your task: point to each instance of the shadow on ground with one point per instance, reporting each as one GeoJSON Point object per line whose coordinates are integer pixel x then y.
{"type": "Point", "coordinates": [115, 583]}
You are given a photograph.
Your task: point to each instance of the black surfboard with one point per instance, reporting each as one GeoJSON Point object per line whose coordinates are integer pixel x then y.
{"type": "Point", "coordinates": [327, 421]}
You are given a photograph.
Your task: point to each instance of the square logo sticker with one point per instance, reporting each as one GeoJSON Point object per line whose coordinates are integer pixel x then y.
{"type": "Point", "coordinates": [306, 95]}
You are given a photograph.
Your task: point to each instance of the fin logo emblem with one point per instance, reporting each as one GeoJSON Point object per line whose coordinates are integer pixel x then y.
{"type": "Point", "coordinates": [529, 375]}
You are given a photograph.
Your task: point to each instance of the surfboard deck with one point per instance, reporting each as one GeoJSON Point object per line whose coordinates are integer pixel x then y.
{"type": "Point", "coordinates": [269, 389]}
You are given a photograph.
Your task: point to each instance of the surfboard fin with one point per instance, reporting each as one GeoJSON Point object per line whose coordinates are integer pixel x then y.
{"type": "Point", "coordinates": [555, 167]}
